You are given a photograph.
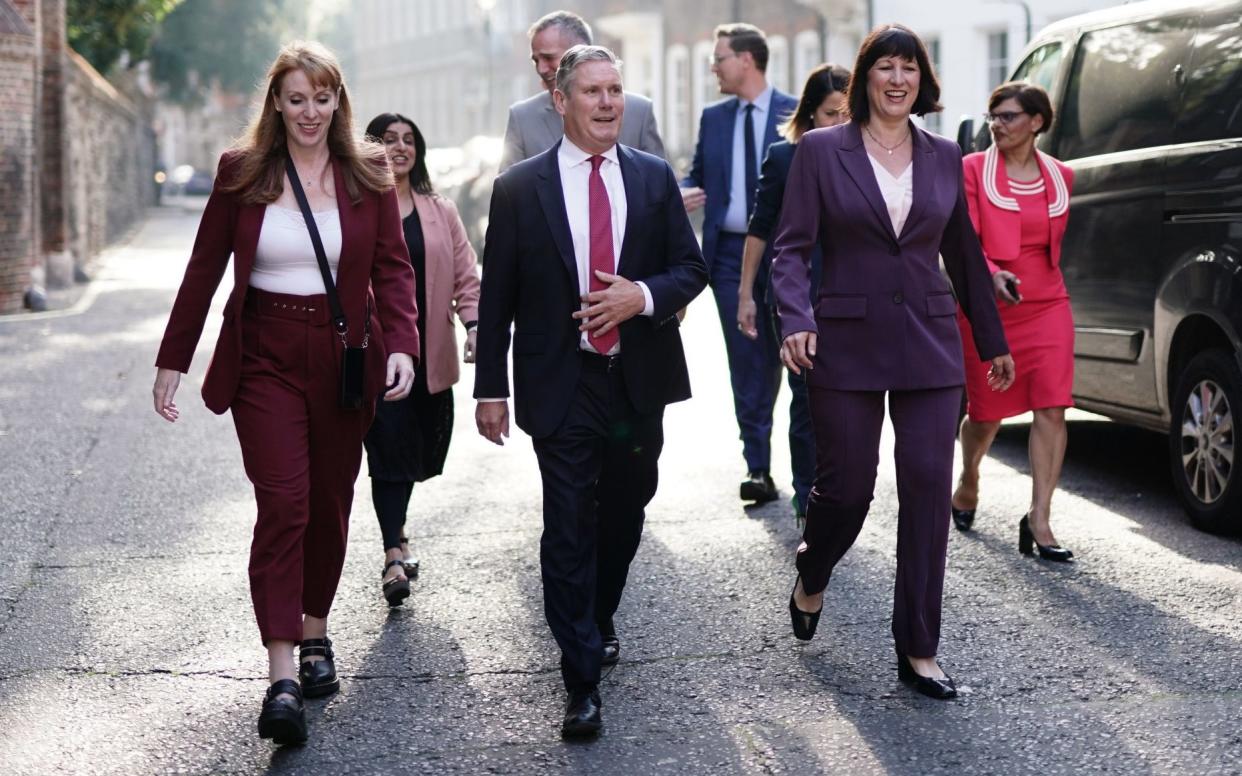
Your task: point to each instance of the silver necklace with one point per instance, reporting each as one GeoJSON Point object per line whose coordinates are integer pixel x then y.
{"type": "Point", "coordinates": [881, 145]}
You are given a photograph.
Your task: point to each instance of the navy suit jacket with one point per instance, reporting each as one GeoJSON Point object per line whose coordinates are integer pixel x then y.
{"type": "Point", "coordinates": [530, 282]}
{"type": "Point", "coordinates": [712, 169]}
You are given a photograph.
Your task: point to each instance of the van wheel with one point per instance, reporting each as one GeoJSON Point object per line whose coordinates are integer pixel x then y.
{"type": "Point", "coordinates": [1201, 441]}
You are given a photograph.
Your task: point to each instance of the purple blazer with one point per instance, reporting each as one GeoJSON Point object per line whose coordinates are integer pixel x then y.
{"type": "Point", "coordinates": [885, 315]}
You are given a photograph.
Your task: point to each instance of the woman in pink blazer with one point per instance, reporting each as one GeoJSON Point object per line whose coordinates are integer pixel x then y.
{"type": "Point", "coordinates": [1019, 203]}
{"type": "Point", "coordinates": [409, 439]}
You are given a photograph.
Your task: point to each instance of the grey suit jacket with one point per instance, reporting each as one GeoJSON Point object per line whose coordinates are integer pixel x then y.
{"type": "Point", "coordinates": [535, 126]}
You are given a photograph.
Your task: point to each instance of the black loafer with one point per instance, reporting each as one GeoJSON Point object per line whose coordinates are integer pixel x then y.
{"type": "Point", "coordinates": [940, 689]}
{"type": "Point", "coordinates": [582, 714]}
{"type": "Point", "coordinates": [611, 653]}
{"type": "Point", "coordinates": [283, 720]}
{"type": "Point", "coordinates": [318, 677]}
{"type": "Point", "coordinates": [758, 487]}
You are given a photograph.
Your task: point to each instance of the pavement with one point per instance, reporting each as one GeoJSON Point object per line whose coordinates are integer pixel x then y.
{"type": "Point", "coordinates": [128, 645]}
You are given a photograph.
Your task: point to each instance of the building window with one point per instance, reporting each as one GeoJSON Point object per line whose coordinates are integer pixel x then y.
{"type": "Point", "coordinates": [703, 83]}
{"type": "Point", "coordinates": [807, 54]}
{"type": "Point", "coordinates": [934, 121]}
{"type": "Point", "coordinates": [678, 90]}
{"type": "Point", "coordinates": [778, 62]}
{"type": "Point", "coordinates": [998, 59]}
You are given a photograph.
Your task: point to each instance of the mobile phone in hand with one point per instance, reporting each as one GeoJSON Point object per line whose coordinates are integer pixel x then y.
{"type": "Point", "coordinates": [1011, 285]}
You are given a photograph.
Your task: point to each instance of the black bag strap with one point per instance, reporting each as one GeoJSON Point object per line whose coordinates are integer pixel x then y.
{"type": "Point", "coordinates": [334, 302]}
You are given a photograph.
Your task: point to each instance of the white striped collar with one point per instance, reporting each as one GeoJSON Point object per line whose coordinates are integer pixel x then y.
{"type": "Point", "coordinates": [1058, 204]}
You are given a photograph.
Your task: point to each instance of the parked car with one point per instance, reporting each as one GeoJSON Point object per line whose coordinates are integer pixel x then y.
{"type": "Point", "coordinates": [1149, 115]}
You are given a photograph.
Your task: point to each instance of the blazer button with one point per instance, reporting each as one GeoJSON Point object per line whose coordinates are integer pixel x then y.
{"type": "Point", "coordinates": [898, 298]}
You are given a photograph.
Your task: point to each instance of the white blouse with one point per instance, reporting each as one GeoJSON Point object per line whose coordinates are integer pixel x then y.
{"type": "Point", "coordinates": [898, 192]}
{"type": "Point", "coordinates": [284, 261]}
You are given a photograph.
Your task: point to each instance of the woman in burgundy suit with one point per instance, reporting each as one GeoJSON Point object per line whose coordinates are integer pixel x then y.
{"type": "Point", "coordinates": [885, 201]}
{"type": "Point", "coordinates": [1019, 203]}
{"type": "Point", "coordinates": [277, 363]}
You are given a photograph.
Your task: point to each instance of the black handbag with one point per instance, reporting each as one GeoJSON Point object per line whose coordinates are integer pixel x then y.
{"type": "Point", "coordinates": [353, 359]}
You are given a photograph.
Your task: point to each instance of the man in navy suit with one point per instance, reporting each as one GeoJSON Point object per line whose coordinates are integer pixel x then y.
{"type": "Point", "coordinates": [589, 256]}
{"type": "Point", "coordinates": [734, 135]}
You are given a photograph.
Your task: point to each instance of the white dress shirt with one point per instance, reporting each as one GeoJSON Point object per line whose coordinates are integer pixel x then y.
{"type": "Point", "coordinates": [736, 218]}
{"type": "Point", "coordinates": [575, 168]}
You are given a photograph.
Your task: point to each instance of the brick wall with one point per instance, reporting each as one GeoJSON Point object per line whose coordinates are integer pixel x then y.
{"type": "Point", "coordinates": [18, 238]}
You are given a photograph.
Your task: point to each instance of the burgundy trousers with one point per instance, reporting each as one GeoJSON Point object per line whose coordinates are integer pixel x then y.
{"type": "Point", "coordinates": [847, 441]}
{"type": "Point", "coordinates": [301, 452]}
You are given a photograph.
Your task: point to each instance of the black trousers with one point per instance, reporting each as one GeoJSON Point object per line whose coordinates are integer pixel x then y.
{"type": "Point", "coordinates": [599, 471]}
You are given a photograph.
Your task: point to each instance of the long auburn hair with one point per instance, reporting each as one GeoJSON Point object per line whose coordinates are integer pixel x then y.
{"type": "Point", "coordinates": [262, 148]}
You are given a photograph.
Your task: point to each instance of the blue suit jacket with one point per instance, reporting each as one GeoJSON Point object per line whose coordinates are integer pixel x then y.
{"type": "Point", "coordinates": [530, 283]}
{"type": "Point", "coordinates": [712, 169]}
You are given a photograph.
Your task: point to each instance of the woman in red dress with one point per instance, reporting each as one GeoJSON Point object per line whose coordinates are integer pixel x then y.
{"type": "Point", "coordinates": [1019, 202]}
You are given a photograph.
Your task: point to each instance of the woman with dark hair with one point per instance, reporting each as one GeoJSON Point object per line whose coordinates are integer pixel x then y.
{"type": "Point", "coordinates": [309, 215]}
{"type": "Point", "coordinates": [1019, 203]}
{"type": "Point", "coordinates": [822, 105]}
{"type": "Point", "coordinates": [887, 200]}
{"type": "Point", "coordinates": [409, 439]}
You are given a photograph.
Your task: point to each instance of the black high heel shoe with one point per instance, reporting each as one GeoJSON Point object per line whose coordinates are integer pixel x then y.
{"type": "Point", "coordinates": [283, 720]}
{"type": "Point", "coordinates": [397, 589]}
{"type": "Point", "coordinates": [963, 519]}
{"type": "Point", "coordinates": [411, 565]}
{"type": "Point", "coordinates": [804, 623]}
{"type": "Point", "coordinates": [1027, 544]}
{"type": "Point", "coordinates": [940, 689]}
{"type": "Point", "coordinates": [318, 677]}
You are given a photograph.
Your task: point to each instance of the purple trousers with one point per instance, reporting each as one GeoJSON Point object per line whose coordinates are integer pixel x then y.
{"type": "Point", "coordinates": [847, 441]}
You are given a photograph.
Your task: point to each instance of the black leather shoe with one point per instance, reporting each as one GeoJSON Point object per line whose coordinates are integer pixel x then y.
{"type": "Point", "coordinates": [804, 623]}
{"type": "Point", "coordinates": [758, 487]}
{"type": "Point", "coordinates": [582, 717]}
{"type": "Point", "coordinates": [318, 677]}
{"type": "Point", "coordinates": [611, 651]}
{"type": "Point", "coordinates": [940, 689]}
{"type": "Point", "coordinates": [962, 518]}
{"type": "Point", "coordinates": [283, 720]}
{"type": "Point", "coordinates": [1027, 544]}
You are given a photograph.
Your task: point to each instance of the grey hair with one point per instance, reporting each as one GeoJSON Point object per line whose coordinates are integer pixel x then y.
{"type": "Point", "coordinates": [576, 56]}
{"type": "Point", "coordinates": [568, 21]}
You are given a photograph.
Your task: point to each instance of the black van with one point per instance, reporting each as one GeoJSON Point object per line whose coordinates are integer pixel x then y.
{"type": "Point", "coordinates": [1149, 114]}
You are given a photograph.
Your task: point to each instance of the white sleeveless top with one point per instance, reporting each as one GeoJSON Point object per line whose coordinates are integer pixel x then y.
{"type": "Point", "coordinates": [898, 192]}
{"type": "Point", "coordinates": [284, 262]}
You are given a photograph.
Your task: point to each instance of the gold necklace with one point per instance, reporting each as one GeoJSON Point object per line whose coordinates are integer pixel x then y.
{"type": "Point", "coordinates": [881, 145]}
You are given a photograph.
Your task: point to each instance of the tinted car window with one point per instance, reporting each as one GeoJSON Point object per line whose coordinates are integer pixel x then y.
{"type": "Point", "coordinates": [1122, 92]}
{"type": "Point", "coordinates": [1212, 102]}
{"type": "Point", "coordinates": [1040, 68]}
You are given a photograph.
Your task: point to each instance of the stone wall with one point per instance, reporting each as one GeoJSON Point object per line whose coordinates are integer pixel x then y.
{"type": "Point", "coordinates": [18, 94]}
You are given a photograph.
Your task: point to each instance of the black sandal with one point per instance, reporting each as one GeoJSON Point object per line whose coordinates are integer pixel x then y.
{"type": "Point", "coordinates": [397, 589]}
{"type": "Point", "coordinates": [283, 720]}
{"type": "Point", "coordinates": [318, 677]}
{"type": "Point", "coordinates": [411, 565]}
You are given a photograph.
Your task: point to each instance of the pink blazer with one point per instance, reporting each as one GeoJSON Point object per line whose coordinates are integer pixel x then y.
{"type": "Point", "coordinates": [451, 286]}
{"type": "Point", "coordinates": [995, 213]}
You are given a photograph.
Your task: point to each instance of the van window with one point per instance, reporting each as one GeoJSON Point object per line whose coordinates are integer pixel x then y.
{"type": "Point", "coordinates": [1212, 103]}
{"type": "Point", "coordinates": [1122, 92]}
{"type": "Point", "coordinates": [1040, 68]}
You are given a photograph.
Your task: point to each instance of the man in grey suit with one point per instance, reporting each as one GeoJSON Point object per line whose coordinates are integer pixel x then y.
{"type": "Point", "coordinates": [534, 125]}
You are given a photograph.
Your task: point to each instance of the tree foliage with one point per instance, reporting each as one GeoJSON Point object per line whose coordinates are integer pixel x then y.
{"type": "Point", "coordinates": [229, 42]}
{"type": "Point", "coordinates": [101, 30]}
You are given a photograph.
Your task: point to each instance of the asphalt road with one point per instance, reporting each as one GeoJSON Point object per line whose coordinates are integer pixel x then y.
{"type": "Point", "coordinates": [128, 646]}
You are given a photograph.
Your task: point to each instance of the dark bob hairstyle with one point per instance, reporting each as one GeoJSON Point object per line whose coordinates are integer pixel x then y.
{"type": "Point", "coordinates": [825, 80]}
{"type": "Point", "coordinates": [893, 40]}
{"type": "Point", "coordinates": [420, 180]}
{"type": "Point", "coordinates": [1033, 99]}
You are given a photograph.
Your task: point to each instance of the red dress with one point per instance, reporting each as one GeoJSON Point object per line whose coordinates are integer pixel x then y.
{"type": "Point", "coordinates": [1040, 329]}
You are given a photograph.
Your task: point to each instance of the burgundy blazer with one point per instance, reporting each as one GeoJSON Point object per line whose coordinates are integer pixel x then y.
{"type": "Point", "coordinates": [451, 287]}
{"type": "Point", "coordinates": [375, 265]}
{"type": "Point", "coordinates": [885, 315]}
{"type": "Point", "coordinates": [995, 212]}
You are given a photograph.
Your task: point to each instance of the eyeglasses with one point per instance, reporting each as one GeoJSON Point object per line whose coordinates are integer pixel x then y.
{"type": "Point", "coordinates": [715, 60]}
{"type": "Point", "coordinates": [1005, 117]}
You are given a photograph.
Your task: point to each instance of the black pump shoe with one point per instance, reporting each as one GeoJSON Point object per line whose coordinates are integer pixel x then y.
{"type": "Point", "coordinates": [804, 623]}
{"type": "Point", "coordinates": [1027, 544]}
{"type": "Point", "coordinates": [940, 689]}
{"type": "Point", "coordinates": [963, 519]}
{"type": "Point", "coordinates": [283, 720]}
{"type": "Point", "coordinates": [318, 677]}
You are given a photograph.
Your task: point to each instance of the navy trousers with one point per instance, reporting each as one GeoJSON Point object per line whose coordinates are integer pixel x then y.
{"type": "Point", "coordinates": [847, 441]}
{"type": "Point", "coordinates": [754, 365]}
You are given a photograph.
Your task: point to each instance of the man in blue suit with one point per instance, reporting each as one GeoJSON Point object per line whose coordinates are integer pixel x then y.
{"type": "Point", "coordinates": [734, 135]}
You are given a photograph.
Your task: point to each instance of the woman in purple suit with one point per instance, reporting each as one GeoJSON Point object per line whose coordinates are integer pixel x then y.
{"type": "Point", "coordinates": [884, 200]}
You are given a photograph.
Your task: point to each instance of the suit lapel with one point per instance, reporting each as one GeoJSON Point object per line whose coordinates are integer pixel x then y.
{"type": "Point", "coordinates": [552, 200]}
{"type": "Point", "coordinates": [353, 266]}
{"type": "Point", "coordinates": [553, 124]}
{"type": "Point", "coordinates": [769, 133]}
{"type": "Point", "coordinates": [245, 245]}
{"type": "Point", "coordinates": [635, 202]}
{"type": "Point", "coordinates": [730, 122]}
{"type": "Point", "coordinates": [853, 155]}
{"type": "Point", "coordinates": [433, 244]}
{"type": "Point", "coordinates": [924, 161]}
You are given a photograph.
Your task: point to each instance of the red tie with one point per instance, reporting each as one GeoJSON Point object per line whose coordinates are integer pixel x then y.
{"type": "Point", "coordinates": [602, 257]}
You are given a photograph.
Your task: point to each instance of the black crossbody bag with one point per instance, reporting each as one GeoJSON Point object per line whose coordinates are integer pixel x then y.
{"type": "Point", "coordinates": [353, 360]}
